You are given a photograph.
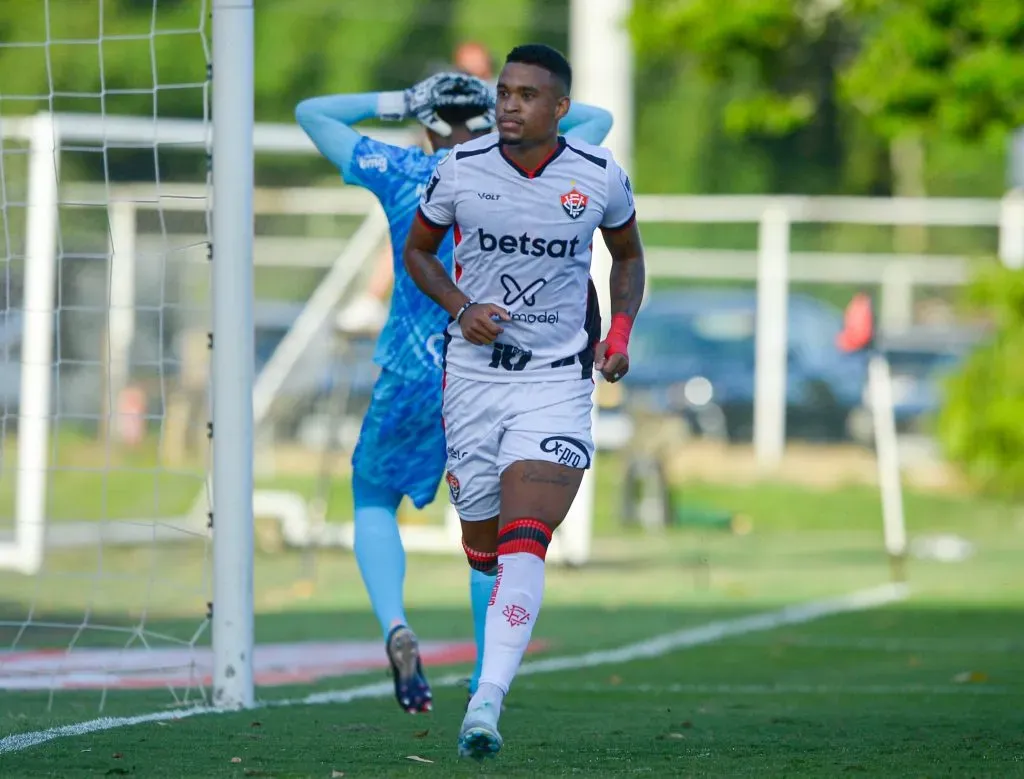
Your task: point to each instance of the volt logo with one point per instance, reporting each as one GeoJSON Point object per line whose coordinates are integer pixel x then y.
{"type": "Point", "coordinates": [514, 293]}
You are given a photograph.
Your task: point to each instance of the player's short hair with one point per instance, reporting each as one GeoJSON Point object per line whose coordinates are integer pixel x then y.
{"type": "Point", "coordinates": [544, 56]}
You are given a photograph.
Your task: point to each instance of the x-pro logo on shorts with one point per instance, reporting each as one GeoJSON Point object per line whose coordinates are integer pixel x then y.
{"type": "Point", "coordinates": [515, 293]}
{"type": "Point", "coordinates": [567, 451]}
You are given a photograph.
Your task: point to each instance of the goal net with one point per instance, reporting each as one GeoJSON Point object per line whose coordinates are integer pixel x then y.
{"type": "Point", "coordinates": [106, 195]}
{"type": "Point", "coordinates": [106, 213]}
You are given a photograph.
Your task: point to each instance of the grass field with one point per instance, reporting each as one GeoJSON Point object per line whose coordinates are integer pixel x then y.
{"type": "Point", "coordinates": [928, 686]}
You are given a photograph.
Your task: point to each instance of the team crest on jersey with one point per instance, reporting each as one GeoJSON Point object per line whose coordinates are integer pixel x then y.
{"type": "Point", "coordinates": [453, 485]}
{"type": "Point", "coordinates": [574, 203]}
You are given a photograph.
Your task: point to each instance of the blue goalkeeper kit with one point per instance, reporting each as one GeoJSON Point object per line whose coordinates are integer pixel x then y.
{"type": "Point", "coordinates": [401, 445]}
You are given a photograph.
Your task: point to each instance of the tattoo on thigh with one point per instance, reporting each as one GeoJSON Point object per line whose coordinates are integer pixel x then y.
{"type": "Point", "coordinates": [534, 475]}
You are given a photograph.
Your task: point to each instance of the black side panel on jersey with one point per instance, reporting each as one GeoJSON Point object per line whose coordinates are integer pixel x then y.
{"type": "Point", "coordinates": [459, 155]}
{"type": "Point", "coordinates": [601, 163]}
{"type": "Point", "coordinates": [592, 324]}
{"type": "Point", "coordinates": [444, 346]}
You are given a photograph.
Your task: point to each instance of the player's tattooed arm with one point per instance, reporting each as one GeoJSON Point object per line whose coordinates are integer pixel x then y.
{"type": "Point", "coordinates": [426, 270]}
{"type": "Point", "coordinates": [628, 275]}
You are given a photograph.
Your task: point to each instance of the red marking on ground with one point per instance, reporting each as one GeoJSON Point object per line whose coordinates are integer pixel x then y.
{"type": "Point", "coordinates": [183, 667]}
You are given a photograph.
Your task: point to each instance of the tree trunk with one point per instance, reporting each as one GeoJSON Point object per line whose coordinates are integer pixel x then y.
{"type": "Point", "coordinates": [906, 158]}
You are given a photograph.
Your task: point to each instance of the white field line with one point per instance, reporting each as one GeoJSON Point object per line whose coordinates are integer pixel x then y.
{"type": "Point", "coordinates": [657, 646]}
{"type": "Point", "coordinates": [779, 689]}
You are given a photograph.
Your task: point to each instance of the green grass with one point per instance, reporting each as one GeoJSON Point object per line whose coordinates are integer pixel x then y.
{"type": "Point", "coordinates": [879, 693]}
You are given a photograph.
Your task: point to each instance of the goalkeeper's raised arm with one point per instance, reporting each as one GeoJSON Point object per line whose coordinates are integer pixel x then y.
{"type": "Point", "coordinates": [330, 120]}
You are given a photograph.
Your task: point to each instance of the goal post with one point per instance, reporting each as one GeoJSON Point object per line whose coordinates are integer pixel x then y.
{"type": "Point", "coordinates": [25, 552]}
{"type": "Point", "coordinates": [232, 353]}
{"type": "Point", "coordinates": [93, 312]}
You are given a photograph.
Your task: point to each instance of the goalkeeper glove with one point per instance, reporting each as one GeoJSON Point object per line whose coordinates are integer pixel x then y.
{"type": "Point", "coordinates": [451, 90]}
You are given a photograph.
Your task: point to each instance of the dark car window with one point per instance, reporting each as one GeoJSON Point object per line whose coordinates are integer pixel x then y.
{"type": "Point", "coordinates": [720, 334]}
{"type": "Point", "coordinates": [919, 363]}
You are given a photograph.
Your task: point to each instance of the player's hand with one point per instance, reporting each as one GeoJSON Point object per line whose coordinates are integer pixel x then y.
{"type": "Point", "coordinates": [612, 366]}
{"type": "Point", "coordinates": [478, 323]}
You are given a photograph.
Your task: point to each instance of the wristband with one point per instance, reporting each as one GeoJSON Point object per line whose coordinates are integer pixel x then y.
{"type": "Point", "coordinates": [391, 106]}
{"type": "Point", "coordinates": [461, 311]}
{"type": "Point", "coordinates": [618, 334]}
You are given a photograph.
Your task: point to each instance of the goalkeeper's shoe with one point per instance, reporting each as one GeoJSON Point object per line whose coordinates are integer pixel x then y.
{"type": "Point", "coordinates": [479, 736]}
{"type": "Point", "coordinates": [412, 691]}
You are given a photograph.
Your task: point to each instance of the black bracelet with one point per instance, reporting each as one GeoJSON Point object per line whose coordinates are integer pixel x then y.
{"type": "Point", "coordinates": [462, 310]}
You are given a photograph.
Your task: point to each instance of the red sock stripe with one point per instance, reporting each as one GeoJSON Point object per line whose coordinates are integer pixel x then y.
{"type": "Point", "coordinates": [525, 535]}
{"type": "Point", "coordinates": [481, 561]}
{"type": "Point", "coordinates": [526, 522]}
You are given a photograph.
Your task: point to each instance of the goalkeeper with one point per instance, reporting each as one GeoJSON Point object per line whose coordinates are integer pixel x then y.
{"type": "Point", "coordinates": [401, 448]}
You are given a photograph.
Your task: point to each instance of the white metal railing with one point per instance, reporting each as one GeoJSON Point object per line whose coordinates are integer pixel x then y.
{"type": "Point", "coordinates": [773, 265]}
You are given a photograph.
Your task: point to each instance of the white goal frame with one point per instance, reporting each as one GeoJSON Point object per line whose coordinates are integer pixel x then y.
{"type": "Point", "coordinates": [231, 149]}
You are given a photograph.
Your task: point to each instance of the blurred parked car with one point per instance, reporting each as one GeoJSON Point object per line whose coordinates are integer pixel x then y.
{"type": "Point", "coordinates": [693, 352]}
{"type": "Point", "coordinates": [920, 359]}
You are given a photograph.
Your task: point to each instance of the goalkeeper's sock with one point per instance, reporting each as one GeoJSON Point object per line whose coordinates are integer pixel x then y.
{"type": "Point", "coordinates": [514, 603]}
{"type": "Point", "coordinates": [481, 583]}
{"type": "Point", "coordinates": [378, 549]}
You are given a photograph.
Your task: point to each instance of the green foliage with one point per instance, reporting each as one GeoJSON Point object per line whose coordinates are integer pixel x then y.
{"type": "Point", "coordinates": [777, 49]}
{"type": "Point", "coordinates": [981, 424]}
{"type": "Point", "coordinates": [953, 67]}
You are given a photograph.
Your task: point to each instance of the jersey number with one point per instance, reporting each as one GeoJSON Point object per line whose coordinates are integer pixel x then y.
{"type": "Point", "coordinates": [509, 357]}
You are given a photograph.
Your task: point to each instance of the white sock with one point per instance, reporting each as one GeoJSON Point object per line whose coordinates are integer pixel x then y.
{"type": "Point", "coordinates": [511, 615]}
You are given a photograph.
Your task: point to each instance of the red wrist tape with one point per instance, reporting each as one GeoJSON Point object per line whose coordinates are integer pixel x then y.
{"type": "Point", "coordinates": [618, 334]}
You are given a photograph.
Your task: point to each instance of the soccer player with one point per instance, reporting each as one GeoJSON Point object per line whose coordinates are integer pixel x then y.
{"type": "Point", "coordinates": [401, 448]}
{"type": "Point", "coordinates": [521, 345]}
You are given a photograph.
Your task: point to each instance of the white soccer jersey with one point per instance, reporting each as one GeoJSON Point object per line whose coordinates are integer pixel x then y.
{"type": "Point", "coordinates": [523, 241]}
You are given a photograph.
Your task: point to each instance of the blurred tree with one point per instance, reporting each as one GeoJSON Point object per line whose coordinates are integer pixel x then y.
{"type": "Point", "coordinates": [981, 424]}
{"type": "Point", "coordinates": [933, 70]}
{"type": "Point", "coordinates": [774, 65]}
{"type": "Point", "coordinates": [842, 84]}
{"type": "Point", "coordinates": [777, 51]}
{"type": "Point", "coordinates": [949, 67]}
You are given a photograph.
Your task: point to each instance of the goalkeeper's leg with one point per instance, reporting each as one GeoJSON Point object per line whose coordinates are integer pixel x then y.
{"type": "Point", "coordinates": [378, 550]}
{"type": "Point", "coordinates": [381, 559]}
{"type": "Point", "coordinates": [386, 466]}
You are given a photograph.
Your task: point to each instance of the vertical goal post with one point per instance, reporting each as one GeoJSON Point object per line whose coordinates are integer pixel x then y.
{"type": "Point", "coordinates": [233, 353]}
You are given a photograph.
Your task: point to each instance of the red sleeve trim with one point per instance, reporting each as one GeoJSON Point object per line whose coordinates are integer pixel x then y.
{"type": "Point", "coordinates": [429, 223]}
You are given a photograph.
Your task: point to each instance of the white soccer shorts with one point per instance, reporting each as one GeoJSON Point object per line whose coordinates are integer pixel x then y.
{"type": "Point", "coordinates": [489, 426]}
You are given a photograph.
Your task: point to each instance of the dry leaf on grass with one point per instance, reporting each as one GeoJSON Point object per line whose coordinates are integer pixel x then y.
{"type": "Point", "coordinates": [971, 677]}
{"type": "Point", "coordinates": [117, 755]}
{"type": "Point", "coordinates": [421, 733]}
{"type": "Point", "coordinates": [418, 759]}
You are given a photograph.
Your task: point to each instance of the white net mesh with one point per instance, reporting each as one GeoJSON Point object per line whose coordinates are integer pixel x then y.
{"type": "Point", "coordinates": [105, 220]}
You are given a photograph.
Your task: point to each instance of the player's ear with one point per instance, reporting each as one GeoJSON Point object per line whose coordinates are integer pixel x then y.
{"type": "Point", "coordinates": [562, 107]}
